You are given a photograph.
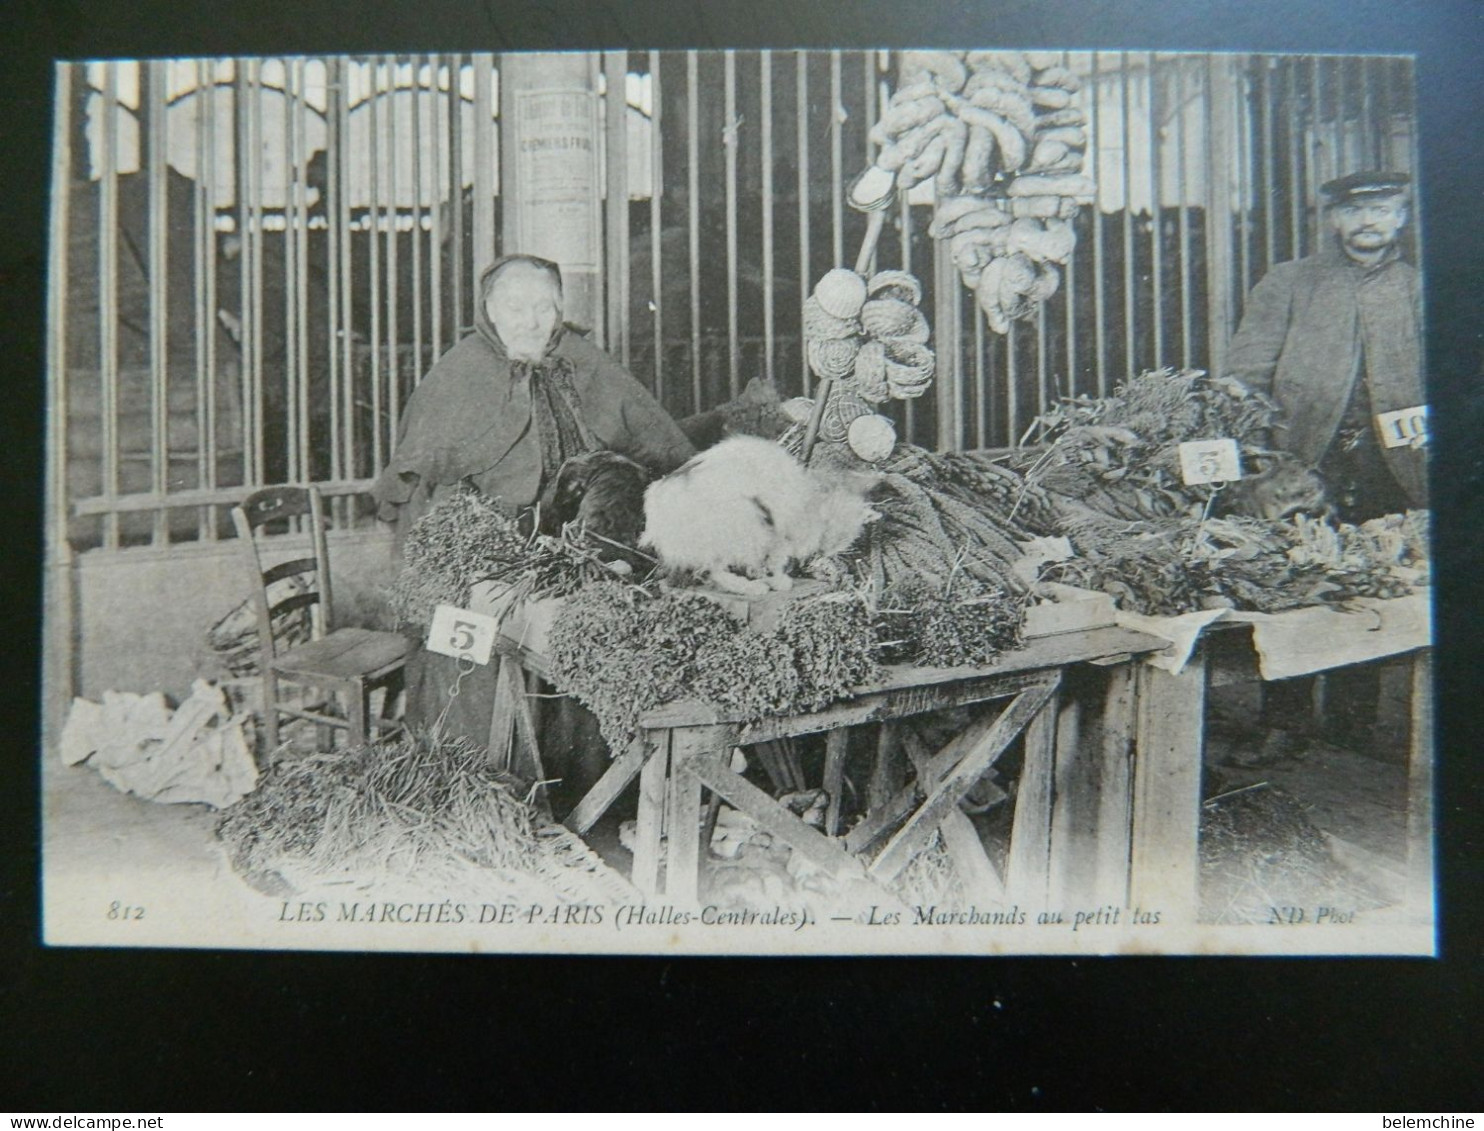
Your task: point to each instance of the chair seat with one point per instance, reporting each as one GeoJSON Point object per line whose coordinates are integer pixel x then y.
{"type": "Point", "coordinates": [345, 654]}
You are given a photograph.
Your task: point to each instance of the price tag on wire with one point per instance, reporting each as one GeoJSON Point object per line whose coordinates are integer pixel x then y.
{"type": "Point", "coordinates": [1210, 461]}
{"type": "Point", "coordinates": [1404, 428]}
{"type": "Point", "coordinates": [461, 634]}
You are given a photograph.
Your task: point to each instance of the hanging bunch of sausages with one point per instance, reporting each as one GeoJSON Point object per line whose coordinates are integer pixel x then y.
{"type": "Point", "coordinates": [999, 134]}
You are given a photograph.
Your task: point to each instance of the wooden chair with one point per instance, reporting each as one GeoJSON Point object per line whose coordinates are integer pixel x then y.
{"type": "Point", "coordinates": [346, 662]}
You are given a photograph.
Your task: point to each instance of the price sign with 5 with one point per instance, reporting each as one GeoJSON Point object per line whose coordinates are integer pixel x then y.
{"type": "Point", "coordinates": [461, 634]}
{"type": "Point", "coordinates": [1210, 461]}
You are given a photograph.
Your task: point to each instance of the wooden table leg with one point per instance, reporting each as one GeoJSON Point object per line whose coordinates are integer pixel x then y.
{"type": "Point", "coordinates": [684, 851]}
{"type": "Point", "coordinates": [606, 789]}
{"type": "Point", "coordinates": [650, 826]}
{"type": "Point", "coordinates": [835, 745]}
{"type": "Point", "coordinates": [1027, 868]}
{"type": "Point", "coordinates": [502, 720]}
{"type": "Point", "coordinates": [1035, 707]}
{"type": "Point", "coordinates": [960, 838]}
{"type": "Point", "coordinates": [1073, 811]}
{"type": "Point", "coordinates": [1115, 778]}
{"type": "Point", "coordinates": [1164, 865]}
{"type": "Point", "coordinates": [1420, 895]}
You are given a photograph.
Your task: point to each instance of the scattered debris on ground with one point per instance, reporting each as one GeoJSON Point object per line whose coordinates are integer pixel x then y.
{"type": "Point", "coordinates": [1261, 857]}
{"type": "Point", "coordinates": [199, 752]}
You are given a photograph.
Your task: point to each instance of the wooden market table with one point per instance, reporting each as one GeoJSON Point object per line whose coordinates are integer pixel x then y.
{"type": "Point", "coordinates": [1318, 640]}
{"type": "Point", "coordinates": [1091, 820]}
{"type": "Point", "coordinates": [1108, 809]}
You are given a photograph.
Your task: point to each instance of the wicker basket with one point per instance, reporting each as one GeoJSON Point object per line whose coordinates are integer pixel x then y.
{"type": "Point", "coordinates": [870, 373]}
{"type": "Point", "coordinates": [820, 325]}
{"type": "Point", "coordinates": [833, 358]}
{"type": "Point", "coordinates": [888, 317]}
{"type": "Point", "coordinates": [895, 284]}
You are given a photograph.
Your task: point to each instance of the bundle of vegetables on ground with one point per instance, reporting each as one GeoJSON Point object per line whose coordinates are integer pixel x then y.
{"type": "Point", "coordinates": [999, 135]}
{"type": "Point", "coordinates": [420, 816]}
{"type": "Point", "coordinates": [1120, 455]}
{"type": "Point", "coordinates": [1260, 850]}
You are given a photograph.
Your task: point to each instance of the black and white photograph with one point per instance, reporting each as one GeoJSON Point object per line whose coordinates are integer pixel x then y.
{"type": "Point", "coordinates": [748, 502]}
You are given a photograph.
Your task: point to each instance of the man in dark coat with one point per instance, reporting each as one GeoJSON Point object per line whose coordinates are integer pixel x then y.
{"type": "Point", "coordinates": [1335, 339]}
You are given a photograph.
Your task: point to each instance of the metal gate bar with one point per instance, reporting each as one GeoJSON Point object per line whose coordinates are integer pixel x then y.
{"type": "Point", "coordinates": [368, 279]}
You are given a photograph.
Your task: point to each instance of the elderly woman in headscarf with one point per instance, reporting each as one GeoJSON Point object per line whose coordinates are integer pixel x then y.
{"type": "Point", "coordinates": [502, 411]}
{"type": "Point", "coordinates": [506, 406]}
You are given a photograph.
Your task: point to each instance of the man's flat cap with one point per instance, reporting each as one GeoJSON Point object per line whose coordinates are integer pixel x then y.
{"type": "Point", "coordinates": [1341, 190]}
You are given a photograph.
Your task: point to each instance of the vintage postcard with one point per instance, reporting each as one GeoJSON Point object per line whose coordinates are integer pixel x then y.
{"type": "Point", "coordinates": [745, 502]}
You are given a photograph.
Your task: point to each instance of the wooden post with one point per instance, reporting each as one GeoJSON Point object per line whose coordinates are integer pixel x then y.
{"type": "Point", "coordinates": [59, 681]}
{"type": "Point", "coordinates": [549, 171]}
{"type": "Point", "coordinates": [836, 744]}
{"type": "Point", "coordinates": [649, 827]}
{"type": "Point", "coordinates": [685, 851]}
{"type": "Point", "coordinates": [948, 381]}
{"type": "Point", "coordinates": [1074, 812]}
{"type": "Point", "coordinates": [616, 191]}
{"type": "Point", "coordinates": [1115, 775]}
{"type": "Point", "coordinates": [886, 776]}
{"type": "Point", "coordinates": [683, 824]}
{"type": "Point", "coordinates": [1027, 870]}
{"type": "Point", "coordinates": [1221, 133]}
{"type": "Point", "coordinates": [1165, 823]}
{"type": "Point", "coordinates": [484, 164]}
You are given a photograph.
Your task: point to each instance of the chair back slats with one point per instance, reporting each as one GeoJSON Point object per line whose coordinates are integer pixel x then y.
{"type": "Point", "coordinates": [321, 555]}
{"type": "Point", "coordinates": [293, 603]}
{"type": "Point", "coordinates": [288, 569]}
{"type": "Point", "coordinates": [349, 662]}
{"type": "Point", "coordinates": [273, 503]}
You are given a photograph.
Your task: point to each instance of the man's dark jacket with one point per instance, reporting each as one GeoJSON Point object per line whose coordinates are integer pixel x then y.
{"type": "Point", "coordinates": [1301, 342]}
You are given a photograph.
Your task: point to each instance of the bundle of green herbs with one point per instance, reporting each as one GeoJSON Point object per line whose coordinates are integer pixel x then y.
{"type": "Point", "coordinates": [1181, 565]}
{"type": "Point", "coordinates": [1120, 454]}
{"type": "Point", "coordinates": [623, 649]}
{"type": "Point", "coordinates": [963, 622]}
{"type": "Point", "coordinates": [389, 811]}
{"type": "Point", "coordinates": [467, 538]}
{"type": "Point", "coordinates": [942, 518]}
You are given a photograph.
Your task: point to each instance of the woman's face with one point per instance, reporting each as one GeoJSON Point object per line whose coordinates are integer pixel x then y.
{"type": "Point", "coordinates": [523, 306]}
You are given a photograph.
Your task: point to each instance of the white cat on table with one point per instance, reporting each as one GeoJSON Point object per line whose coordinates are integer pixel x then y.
{"type": "Point", "coordinates": [740, 512]}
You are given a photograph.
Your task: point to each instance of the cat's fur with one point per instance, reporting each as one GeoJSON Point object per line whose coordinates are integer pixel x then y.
{"type": "Point", "coordinates": [603, 493]}
{"type": "Point", "coordinates": [1284, 488]}
{"type": "Point", "coordinates": [740, 512]}
{"type": "Point", "coordinates": [754, 411]}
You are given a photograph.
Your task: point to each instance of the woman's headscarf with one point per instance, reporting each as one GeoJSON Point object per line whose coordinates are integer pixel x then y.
{"type": "Point", "coordinates": [485, 326]}
{"type": "Point", "coordinates": [556, 412]}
